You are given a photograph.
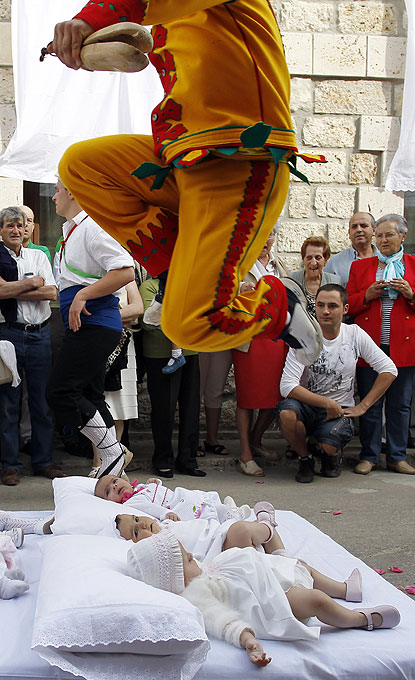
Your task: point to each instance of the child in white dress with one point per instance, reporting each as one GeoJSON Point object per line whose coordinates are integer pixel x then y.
{"type": "Point", "coordinates": [156, 500]}
{"type": "Point", "coordinates": [243, 594]}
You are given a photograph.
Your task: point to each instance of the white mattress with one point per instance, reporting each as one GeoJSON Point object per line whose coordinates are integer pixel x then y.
{"type": "Point", "coordinates": [338, 655]}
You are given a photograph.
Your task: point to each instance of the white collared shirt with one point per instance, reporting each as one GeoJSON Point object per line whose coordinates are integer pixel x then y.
{"type": "Point", "coordinates": [89, 250]}
{"type": "Point", "coordinates": [32, 262]}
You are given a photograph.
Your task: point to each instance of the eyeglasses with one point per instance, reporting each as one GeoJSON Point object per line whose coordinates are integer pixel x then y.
{"type": "Point", "coordinates": [388, 236]}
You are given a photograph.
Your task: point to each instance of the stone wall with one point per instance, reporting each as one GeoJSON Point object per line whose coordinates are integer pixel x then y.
{"type": "Point", "coordinates": [347, 62]}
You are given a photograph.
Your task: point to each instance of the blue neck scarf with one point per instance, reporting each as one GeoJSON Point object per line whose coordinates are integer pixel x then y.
{"type": "Point", "coordinates": [395, 269]}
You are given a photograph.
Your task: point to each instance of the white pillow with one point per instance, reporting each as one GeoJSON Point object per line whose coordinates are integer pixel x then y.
{"type": "Point", "coordinates": [89, 607]}
{"type": "Point", "coordinates": [78, 511]}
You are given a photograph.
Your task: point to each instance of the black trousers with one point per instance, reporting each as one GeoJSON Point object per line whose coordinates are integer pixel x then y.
{"type": "Point", "coordinates": [166, 391]}
{"type": "Point", "coordinates": [76, 388]}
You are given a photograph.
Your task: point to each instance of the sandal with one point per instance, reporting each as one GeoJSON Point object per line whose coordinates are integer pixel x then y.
{"type": "Point", "coordinates": [94, 471]}
{"type": "Point", "coordinates": [200, 452]}
{"type": "Point", "coordinates": [250, 468]}
{"type": "Point", "coordinates": [217, 449]}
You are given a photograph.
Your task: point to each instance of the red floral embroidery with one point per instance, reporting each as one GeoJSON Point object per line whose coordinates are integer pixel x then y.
{"type": "Point", "coordinates": [168, 110]}
{"type": "Point", "coordinates": [226, 320]}
{"type": "Point", "coordinates": [154, 249]}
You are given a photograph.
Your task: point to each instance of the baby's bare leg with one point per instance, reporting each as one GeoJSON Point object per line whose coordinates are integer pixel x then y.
{"type": "Point", "coordinates": [305, 603]}
{"type": "Point", "coordinates": [248, 534]}
{"type": "Point", "coordinates": [326, 584]}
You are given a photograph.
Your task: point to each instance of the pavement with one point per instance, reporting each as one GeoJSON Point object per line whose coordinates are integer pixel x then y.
{"type": "Point", "coordinates": [376, 520]}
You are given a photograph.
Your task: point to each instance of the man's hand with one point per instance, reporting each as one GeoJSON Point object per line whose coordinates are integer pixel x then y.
{"type": "Point", "coordinates": [334, 410]}
{"type": "Point", "coordinates": [173, 516]}
{"type": "Point", "coordinates": [77, 308]}
{"type": "Point", "coordinates": [355, 411]}
{"type": "Point", "coordinates": [375, 290]}
{"type": "Point", "coordinates": [246, 287]}
{"type": "Point", "coordinates": [36, 281]}
{"type": "Point", "coordinates": [67, 41]}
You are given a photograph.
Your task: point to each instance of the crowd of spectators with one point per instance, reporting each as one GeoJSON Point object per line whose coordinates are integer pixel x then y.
{"type": "Point", "coordinates": [363, 299]}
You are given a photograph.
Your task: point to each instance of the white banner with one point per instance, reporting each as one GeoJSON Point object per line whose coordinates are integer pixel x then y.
{"type": "Point", "coordinates": [401, 175]}
{"type": "Point", "coordinates": [57, 106]}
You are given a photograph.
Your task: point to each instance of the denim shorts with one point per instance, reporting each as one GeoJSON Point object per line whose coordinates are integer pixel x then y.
{"type": "Point", "coordinates": [337, 432]}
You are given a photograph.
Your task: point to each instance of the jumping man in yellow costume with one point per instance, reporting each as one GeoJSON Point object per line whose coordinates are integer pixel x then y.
{"type": "Point", "coordinates": [200, 196]}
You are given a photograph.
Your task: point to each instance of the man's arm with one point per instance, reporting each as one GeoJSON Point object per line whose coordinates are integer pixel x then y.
{"type": "Point", "coordinates": [42, 293]}
{"type": "Point", "coordinates": [379, 388]}
{"type": "Point", "coordinates": [110, 282]}
{"type": "Point", "coordinates": [69, 35]}
{"type": "Point", "coordinates": [381, 363]}
{"type": "Point", "coordinates": [14, 289]}
{"type": "Point", "coordinates": [290, 387]}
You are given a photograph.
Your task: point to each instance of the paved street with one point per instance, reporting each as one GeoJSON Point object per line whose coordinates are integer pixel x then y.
{"type": "Point", "coordinates": [376, 524]}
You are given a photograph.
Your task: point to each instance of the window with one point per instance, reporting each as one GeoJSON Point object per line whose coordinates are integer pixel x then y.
{"type": "Point", "coordinates": [48, 228]}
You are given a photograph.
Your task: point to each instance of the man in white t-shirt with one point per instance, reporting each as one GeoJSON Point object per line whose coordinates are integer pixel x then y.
{"type": "Point", "coordinates": [319, 399]}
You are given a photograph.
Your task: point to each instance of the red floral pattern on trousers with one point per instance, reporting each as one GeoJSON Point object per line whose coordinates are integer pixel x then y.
{"type": "Point", "coordinates": [154, 249]}
{"type": "Point", "coordinates": [230, 321]}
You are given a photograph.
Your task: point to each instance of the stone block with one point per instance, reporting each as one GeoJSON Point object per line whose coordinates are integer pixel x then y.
{"type": "Point", "coordinates": [367, 17]}
{"type": "Point", "coordinates": [379, 133]}
{"type": "Point", "coordinates": [299, 199]}
{"type": "Point", "coordinates": [291, 262]}
{"type": "Point", "coordinates": [379, 202]}
{"type": "Point", "coordinates": [5, 43]}
{"type": "Point", "coordinates": [311, 16]}
{"type": "Point", "coordinates": [291, 235]}
{"type": "Point", "coordinates": [386, 57]}
{"type": "Point", "coordinates": [340, 55]}
{"type": "Point", "coordinates": [301, 94]}
{"type": "Point", "coordinates": [325, 173]}
{"type": "Point", "coordinates": [363, 168]}
{"type": "Point", "coordinates": [7, 124]}
{"type": "Point", "coordinates": [397, 99]}
{"type": "Point", "coordinates": [299, 53]}
{"type": "Point", "coordinates": [5, 10]}
{"type": "Point", "coordinates": [337, 131]}
{"type": "Point", "coordinates": [11, 192]}
{"type": "Point", "coordinates": [360, 97]}
{"type": "Point", "coordinates": [338, 236]}
{"type": "Point", "coordinates": [6, 85]}
{"type": "Point", "coordinates": [334, 202]}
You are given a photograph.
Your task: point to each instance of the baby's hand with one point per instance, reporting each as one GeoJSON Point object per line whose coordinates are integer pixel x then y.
{"type": "Point", "coordinates": [152, 480]}
{"type": "Point", "coordinates": [173, 516]}
{"type": "Point", "coordinates": [256, 653]}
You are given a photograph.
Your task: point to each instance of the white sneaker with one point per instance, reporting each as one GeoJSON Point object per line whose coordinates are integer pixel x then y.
{"type": "Point", "coordinates": [303, 332]}
{"type": "Point", "coordinates": [243, 512]}
{"type": "Point", "coordinates": [17, 536]}
{"type": "Point", "coordinates": [152, 315]}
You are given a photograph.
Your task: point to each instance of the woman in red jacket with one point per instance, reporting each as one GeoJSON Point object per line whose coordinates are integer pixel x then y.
{"type": "Point", "coordinates": [382, 302]}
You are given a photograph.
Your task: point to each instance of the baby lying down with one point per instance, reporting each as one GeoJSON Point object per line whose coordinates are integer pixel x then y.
{"type": "Point", "coordinates": [152, 498]}
{"type": "Point", "coordinates": [243, 594]}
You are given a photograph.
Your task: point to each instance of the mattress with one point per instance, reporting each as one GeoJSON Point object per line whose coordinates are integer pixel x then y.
{"type": "Point", "coordinates": [340, 655]}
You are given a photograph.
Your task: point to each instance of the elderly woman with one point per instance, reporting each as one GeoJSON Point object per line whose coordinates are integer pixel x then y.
{"type": "Point", "coordinates": [382, 300]}
{"type": "Point", "coordinates": [258, 369]}
{"type": "Point", "coordinates": [315, 253]}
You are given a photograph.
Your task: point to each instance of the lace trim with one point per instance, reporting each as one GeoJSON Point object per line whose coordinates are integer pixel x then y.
{"type": "Point", "coordinates": [400, 184]}
{"type": "Point", "coordinates": [128, 666]}
{"type": "Point", "coordinates": [125, 623]}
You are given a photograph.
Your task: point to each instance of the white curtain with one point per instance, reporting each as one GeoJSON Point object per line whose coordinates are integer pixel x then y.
{"type": "Point", "coordinates": [401, 175]}
{"type": "Point", "coordinates": [57, 106]}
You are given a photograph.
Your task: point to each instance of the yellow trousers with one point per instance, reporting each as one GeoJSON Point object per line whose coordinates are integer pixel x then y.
{"type": "Point", "coordinates": [207, 224]}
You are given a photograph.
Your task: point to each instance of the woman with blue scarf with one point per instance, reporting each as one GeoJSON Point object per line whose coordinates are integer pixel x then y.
{"type": "Point", "coordinates": [382, 300]}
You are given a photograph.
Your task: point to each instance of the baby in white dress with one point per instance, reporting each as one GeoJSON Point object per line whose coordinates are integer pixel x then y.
{"type": "Point", "coordinates": [243, 594]}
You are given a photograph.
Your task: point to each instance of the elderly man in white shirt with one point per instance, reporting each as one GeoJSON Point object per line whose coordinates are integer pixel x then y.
{"type": "Point", "coordinates": [319, 399]}
{"type": "Point", "coordinates": [93, 266]}
{"type": "Point", "coordinates": [361, 233]}
{"type": "Point", "coordinates": [26, 288]}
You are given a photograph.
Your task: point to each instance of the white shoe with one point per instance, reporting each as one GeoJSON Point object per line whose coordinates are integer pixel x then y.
{"type": "Point", "coordinates": [243, 512]}
{"type": "Point", "coordinates": [17, 536]}
{"type": "Point", "coordinates": [303, 332]}
{"type": "Point", "coordinates": [152, 315]}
